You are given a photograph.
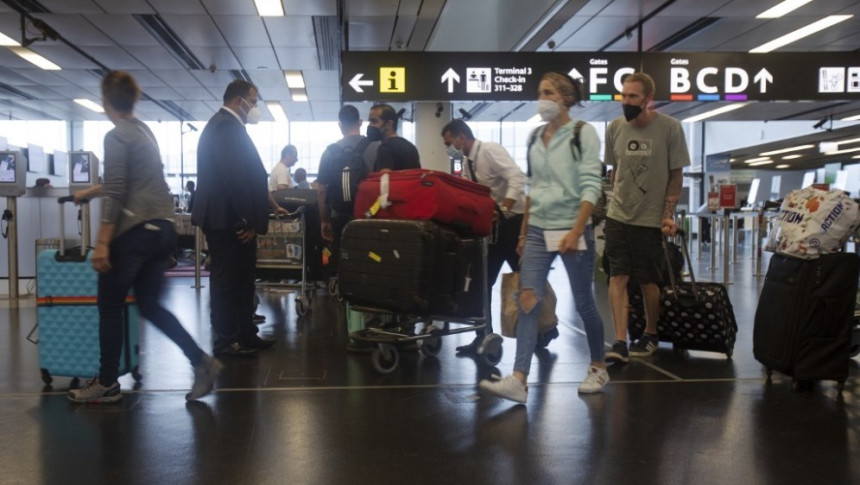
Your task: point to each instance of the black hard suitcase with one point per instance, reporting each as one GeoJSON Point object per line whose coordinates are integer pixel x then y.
{"type": "Point", "coordinates": [693, 315]}
{"type": "Point", "coordinates": [804, 318]}
{"type": "Point", "coordinates": [411, 267]}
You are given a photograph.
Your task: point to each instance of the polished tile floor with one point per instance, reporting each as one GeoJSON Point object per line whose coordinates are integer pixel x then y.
{"type": "Point", "coordinates": [308, 412]}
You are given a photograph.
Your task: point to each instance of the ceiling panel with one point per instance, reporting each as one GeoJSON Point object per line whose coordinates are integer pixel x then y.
{"type": "Point", "coordinates": [182, 78]}
{"type": "Point", "coordinates": [196, 30]}
{"type": "Point", "coordinates": [71, 6]}
{"type": "Point", "coordinates": [115, 58]}
{"type": "Point", "coordinates": [125, 6]}
{"type": "Point", "coordinates": [257, 57]}
{"type": "Point", "coordinates": [243, 30]}
{"type": "Point", "coordinates": [154, 57]}
{"type": "Point", "coordinates": [123, 30]}
{"type": "Point", "coordinates": [297, 58]}
{"type": "Point", "coordinates": [304, 7]}
{"type": "Point", "coordinates": [221, 57]}
{"type": "Point", "coordinates": [174, 7]}
{"type": "Point", "coordinates": [290, 31]}
{"type": "Point", "coordinates": [64, 56]}
{"type": "Point", "coordinates": [230, 7]}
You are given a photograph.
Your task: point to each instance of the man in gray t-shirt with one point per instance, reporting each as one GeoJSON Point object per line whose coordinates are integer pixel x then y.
{"type": "Point", "coordinates": [648, 151]}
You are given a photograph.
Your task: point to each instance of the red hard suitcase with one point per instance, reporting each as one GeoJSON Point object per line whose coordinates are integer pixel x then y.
{"type": "Point", "coordinates": [427, 194]}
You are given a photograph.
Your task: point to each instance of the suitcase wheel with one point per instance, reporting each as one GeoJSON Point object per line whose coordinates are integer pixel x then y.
{"type": "Point", "coordinates": [490, 349]}
{"type": "Point", "coordinates": [432, 344]}
{"type": "Point", "coordinates": [800, 384]}
{"type": "Point", "coordinates": [769, 374]}
{"type": "Point", "coordinates": [302, 306]}
{"type": "Point", "coordinates": [385, 358]}
{"type": "Point", "coordinates": [135, 373]}
{"type": "Point", "coordinates": [46, 376]}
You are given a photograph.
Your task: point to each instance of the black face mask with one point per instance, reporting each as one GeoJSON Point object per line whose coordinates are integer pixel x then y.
{"type": "Point", "coordinates": [631, 111]}
{"type": "Point", "coordinates": [373, 133]}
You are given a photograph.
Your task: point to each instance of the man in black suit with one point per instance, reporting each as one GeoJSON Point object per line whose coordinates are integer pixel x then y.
{"type": "Point", "coordinates": [232, 206]}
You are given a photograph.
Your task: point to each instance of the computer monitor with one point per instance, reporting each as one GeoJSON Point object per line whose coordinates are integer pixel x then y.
{"type": "Point", "coordinates": [83, 170]}
{"type": "Point", "coordinates": [13, 173]}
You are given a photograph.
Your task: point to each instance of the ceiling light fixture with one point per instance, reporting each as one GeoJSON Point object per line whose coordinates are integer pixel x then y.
{"type": "Point", "coordinates": [845, 142]}
{"type": "Point", "coordinates": [784, 165]}
{"type": "Point", "coordinates": [277, 111]}
{"type": "Point", "coordinates": [7, 41]}
{"type": "Point", "coordinates": [269, 8]}
{"type": "Point", "coordinates": [851, 118]}
{"type": "Point", "coordinates": [35, 59]}
{"type": "Point", "coordinates": [715, 112]}
{"type": "Point", "coordinates": [781, 9]}
{"type": "Point", "coordinates": [763, 162]}
{"type": "Point", "coordinates": [800, 33]}
{"type": "Point", "coordinates": [91, 105]}
{"type": "Point", "coordinates": [792, 157]}
{"type": "Point", "coordinates": [841, 152]}
{"type": "Point", "coordinates": [295, 79]}
{"type": "Point", "coordinates": [757, 159]}
{"type": "Point", "coordinates": [786, 150]}
{"type": "Point", "coordinates": [299, 95]}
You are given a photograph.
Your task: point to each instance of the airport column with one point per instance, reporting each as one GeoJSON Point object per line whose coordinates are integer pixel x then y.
{"type": "Point", "coordinates": [429, 119]}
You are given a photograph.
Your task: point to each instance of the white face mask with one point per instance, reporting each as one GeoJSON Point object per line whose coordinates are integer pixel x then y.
{"type": "Point", "coordinates": [454, 153]}
{"type": "Point", "coordinates": [547, 109]}
{"type": "Point", "coordinates": [252, 117]}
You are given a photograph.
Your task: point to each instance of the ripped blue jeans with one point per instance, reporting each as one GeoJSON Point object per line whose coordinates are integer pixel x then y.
{"type": "Point", "coordinates": [534, 269]}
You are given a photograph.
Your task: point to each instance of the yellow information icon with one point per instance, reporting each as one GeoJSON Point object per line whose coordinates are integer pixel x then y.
{"type": "Point", "coordinates": [392, 79]}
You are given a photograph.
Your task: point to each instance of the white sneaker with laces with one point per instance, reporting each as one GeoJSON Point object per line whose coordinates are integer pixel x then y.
{"type": "Point", "coordinates": [509, 388]}
{"type": "Point", "coordinates": [594, 381]}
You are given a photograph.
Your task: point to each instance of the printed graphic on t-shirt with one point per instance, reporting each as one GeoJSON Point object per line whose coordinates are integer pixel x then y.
{"type": "Point", "coordinates": [639, 148]}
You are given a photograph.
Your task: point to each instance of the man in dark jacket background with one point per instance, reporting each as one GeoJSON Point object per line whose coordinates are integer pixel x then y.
{"type": "Point", "coordinates": [232, 207]}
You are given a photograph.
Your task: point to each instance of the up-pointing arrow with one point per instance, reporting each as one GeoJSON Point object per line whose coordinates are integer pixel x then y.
{"type": "Point", "coordinates": [356, 82]}
{"type": "Point", "coordinates": [450, 77]}
{"type": "Point", "coordinates": [575, 74]}
{"type": "Point", "coordinates": [763, 77]}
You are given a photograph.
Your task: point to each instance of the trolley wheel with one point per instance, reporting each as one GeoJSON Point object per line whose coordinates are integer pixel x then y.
{"type": "Point", "coordinates": [430, 346]}
{"type": "Point", "coordinates": [729, 354]}
{"type": "Point", "coordinates": [855, 350]}
{"type": "Point", "coordinates": [302, 306]}
{"type": "Point", "coordinates": [135, 373]}
{"type": "Point", "coordinates": [46, 376]}
{"type": "Point", "coordinates": [840, 385]}
{"type": "Point", "coordinates": [800, 384]}
{"type": "Point", "coordinates": [769, 373]}
{"type": "Point", "coordinates": [385, 358]}
{"type": "Point", "coordinates": [309, 295]}
{"type": "Point", "coordinates": [490, 349]}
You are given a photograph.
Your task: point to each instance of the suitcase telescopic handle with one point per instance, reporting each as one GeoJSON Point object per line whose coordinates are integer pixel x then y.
{"type": "Point", "coordinates": [62, 200]}
{"type": "Point", "coordinates": [689, 263]}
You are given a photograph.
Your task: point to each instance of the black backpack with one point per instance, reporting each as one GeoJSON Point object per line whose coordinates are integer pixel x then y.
{"type": "Point", "coordinates": [348, 162]}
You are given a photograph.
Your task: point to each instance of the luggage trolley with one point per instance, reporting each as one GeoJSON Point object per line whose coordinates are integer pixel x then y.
{"type": "Point", "coordinates": [392, 318]}
{"type": "Point", "coordinates": [282, 250]}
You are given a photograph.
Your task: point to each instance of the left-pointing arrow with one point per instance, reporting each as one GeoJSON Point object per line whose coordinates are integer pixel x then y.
{"type": "Point", "coordinates": [356, 82]}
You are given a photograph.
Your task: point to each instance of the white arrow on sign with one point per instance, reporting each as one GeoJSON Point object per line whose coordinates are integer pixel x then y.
{"type": "Point", "coordinates": [450, 77]}
{"type": "Point", "coordinates": [575, 74]}
{"type": "Point", "coordinates": [356, 82]}
{"type": "Point", "coordinates": [763, 77]}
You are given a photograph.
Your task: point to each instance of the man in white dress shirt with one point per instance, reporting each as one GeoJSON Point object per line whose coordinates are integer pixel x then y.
{"type": "Point", "coordinates": [489, 164]}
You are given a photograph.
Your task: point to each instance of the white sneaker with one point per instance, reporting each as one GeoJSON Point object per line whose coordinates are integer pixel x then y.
{"type": "Point", "coordinates": [509, 388]}
{"type": "Point", "coordinates": [594, 381]}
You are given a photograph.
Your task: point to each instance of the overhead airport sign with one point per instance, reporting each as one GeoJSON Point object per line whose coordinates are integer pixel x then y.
{"type": "Point", "coordinates": [515, 76]}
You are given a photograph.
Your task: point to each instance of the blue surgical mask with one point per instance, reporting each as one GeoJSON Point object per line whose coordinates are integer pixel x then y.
{"type": "Point", "coordinates": [453, 152]}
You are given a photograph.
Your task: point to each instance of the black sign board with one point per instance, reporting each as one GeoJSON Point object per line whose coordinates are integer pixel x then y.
{"type": "Point", "coordinates": [515, 76]}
